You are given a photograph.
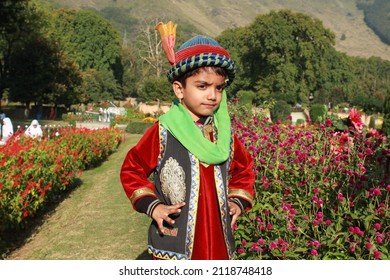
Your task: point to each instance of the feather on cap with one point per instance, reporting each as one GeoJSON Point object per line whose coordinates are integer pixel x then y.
{"type": "Point", "coordinates": [168, 37]}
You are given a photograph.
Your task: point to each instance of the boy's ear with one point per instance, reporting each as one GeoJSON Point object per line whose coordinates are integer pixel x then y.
{"type": "Point", "coordinates": [178, 89]}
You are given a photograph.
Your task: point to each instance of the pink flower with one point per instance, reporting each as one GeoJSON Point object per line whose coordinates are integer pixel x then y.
{"type": "Point", "coordinates": [377, 226]}
{"type": "Point", "coordinates": [313, 252]}
{"type": "Point", "coordinates": [328, 122]}
{"type": "Point", "coordinates": [354, 117]}
{"type": "Point", "coordinates": [377, 255]}
{"type": "Point", "coordinates": [340, 197]}
{"type": "Point", "coordinates": [240, 251]}
{"type": "Point", "coordinates": [315, 243]}
{"type": "Point", "coordinates": [273, 245]}
{"type": "Point", "coordinates": [368, 246]}
{"type": "Point", "coordinates": [319, 215]}
{"type": "Point", "coordinates": [261, 241]}
{"type": "Point", "coordinates": [328, 222]}
{"type": "Point", "coordinates": [255, 247]}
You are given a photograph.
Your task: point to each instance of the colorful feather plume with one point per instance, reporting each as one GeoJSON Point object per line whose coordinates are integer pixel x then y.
{"type": "Point", "coordinates": [168, 36]}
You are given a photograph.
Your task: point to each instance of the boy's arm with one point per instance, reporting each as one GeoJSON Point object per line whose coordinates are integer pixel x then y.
{"type": "Point", "coordinates": [140, 161]}
{"type": "Point", "coordinates": [242, 177]}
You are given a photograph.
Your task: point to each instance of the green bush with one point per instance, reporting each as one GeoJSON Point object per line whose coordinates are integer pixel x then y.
{"type": "Point", "coordinates": [318, 113]}
{"type": "Point", "coordinates": [372, 122]}
{"type": "Point", "coordinates": [280, 111]}
{"type": "Point", "coordinates": [138, 127]}
{"type": "Point", "coordinates": [245, 98]}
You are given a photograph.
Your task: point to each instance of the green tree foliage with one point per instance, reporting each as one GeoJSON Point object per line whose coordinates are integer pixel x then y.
{"type": "Point", "coordinates": [284, 55]}
{"type": "Point", "coordinates": [372, 81]}
{"type": "Point", "coordinates": [318, 113]}
{"type": "Point", "coordinates": [156, 88]}
{"type": "Point", "coordinates": [386, 117]}
{"type": "Point", "coordinates": [131, 72]}
{"type": "Point", "coordinates": [17, 23]}
{"type": "Point", "coordinates": [38, 71]}
{"type": "Point", "coordinates": [280, 111]}
{"type": "Point", "coordinates": [93, 44]}
{"type": "Point", "coordinates": [100, 86]}
{"type": "Point", "coordinates": [245, 98]}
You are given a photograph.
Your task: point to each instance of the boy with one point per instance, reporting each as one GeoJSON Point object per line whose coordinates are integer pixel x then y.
{"type": "Point", "coordinates": [203, 177]}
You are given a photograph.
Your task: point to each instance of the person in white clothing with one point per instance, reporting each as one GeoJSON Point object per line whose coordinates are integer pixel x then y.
{"type": "Point", "coordinates": [34, 130]}
{"type": "Point", "coordinates": [7, 131]}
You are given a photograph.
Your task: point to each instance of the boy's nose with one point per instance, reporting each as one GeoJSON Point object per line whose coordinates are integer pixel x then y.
{"type": "Point", "coordinates": [212, 94]}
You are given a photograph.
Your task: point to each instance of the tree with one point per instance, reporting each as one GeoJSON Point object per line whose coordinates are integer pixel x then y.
{"type": "Point", "coordinates": [94, 45]}
{"type": "Point", "coordinates": [386, 117]}
{"type": "Point", "coordinates": [131, 73]}
{"type": "Point", "coordinates": [40, 73]}
{"type": "Point", "coordinates": [18, 21]}
{"type": "Point", "coordinates": [150, 49]}
{"type": "Point", "coordinates": [156, 88]}
{"type": "Point", "coordinates": [280, 111]}
{"type": "Point", "coordinates": [100, 86]}
{"type": "Point", "coordinates": [282, 55]}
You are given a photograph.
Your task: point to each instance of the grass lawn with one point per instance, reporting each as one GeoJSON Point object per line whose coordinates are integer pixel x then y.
{"type": "Point", "coordinates": [95, 222]}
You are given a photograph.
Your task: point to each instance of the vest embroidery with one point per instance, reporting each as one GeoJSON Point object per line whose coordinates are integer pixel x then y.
{"type": "Point", "coordinates": [172, 179]}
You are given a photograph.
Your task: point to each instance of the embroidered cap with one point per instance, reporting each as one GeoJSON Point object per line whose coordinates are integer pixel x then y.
{"type": "Point", "coordinates": [197, 52]}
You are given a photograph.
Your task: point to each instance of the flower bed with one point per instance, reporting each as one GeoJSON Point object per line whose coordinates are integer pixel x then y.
{"type": "Point", "coordinates": [320, 193]}
{"type": "Point", "coordinates": [33, 172]}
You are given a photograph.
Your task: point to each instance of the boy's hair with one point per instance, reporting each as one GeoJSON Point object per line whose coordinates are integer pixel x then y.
{"type": "Point", "coordinates": [216, 69]}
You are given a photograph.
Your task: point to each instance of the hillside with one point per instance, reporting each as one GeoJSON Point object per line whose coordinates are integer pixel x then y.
{"type": "Point", "coordinates": [211, 17]}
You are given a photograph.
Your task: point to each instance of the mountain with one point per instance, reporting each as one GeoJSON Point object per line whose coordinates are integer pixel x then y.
{"type": "Point", "coordinates": [211, 17]}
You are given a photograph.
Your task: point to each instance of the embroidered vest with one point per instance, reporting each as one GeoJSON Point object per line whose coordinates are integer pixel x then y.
{"type": "Point", "coordinates": [176, 180]}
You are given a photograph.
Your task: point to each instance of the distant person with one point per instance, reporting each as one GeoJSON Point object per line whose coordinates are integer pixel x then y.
{"type": "Point", "coordinates": [51, 115]}
{"type": "Point", "coordinates": [100, 114]}
{"type": "Point", "coordinates": [26, 113]}
{"type": "Point", "coordinates": [34, 130]}
{"type": "Point", "coordinates": [105, 115]}
{"type": "Point", "coordinates": [7, 131]}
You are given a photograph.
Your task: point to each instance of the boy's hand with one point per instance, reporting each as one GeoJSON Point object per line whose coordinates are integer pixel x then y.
{"type": "Point", "coordinates": [161, 213]}
{"type": "Point", "coordinates": [235, 211]}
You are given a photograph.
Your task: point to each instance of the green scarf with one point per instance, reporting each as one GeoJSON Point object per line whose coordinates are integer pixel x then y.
{"type": "Point", "coordinates": [180, 124]}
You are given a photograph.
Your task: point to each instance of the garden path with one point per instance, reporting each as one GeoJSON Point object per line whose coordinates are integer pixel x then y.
{"type": "Point", "coordinates": [95, 221]}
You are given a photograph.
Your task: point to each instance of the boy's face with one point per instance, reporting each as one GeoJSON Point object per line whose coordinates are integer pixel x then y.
{"type": "Point", "coordinates": [202, 93]}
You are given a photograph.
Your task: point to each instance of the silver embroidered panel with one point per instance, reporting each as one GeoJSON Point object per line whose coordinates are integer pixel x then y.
{"type": "Point", "coordinates": [172, 179]}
